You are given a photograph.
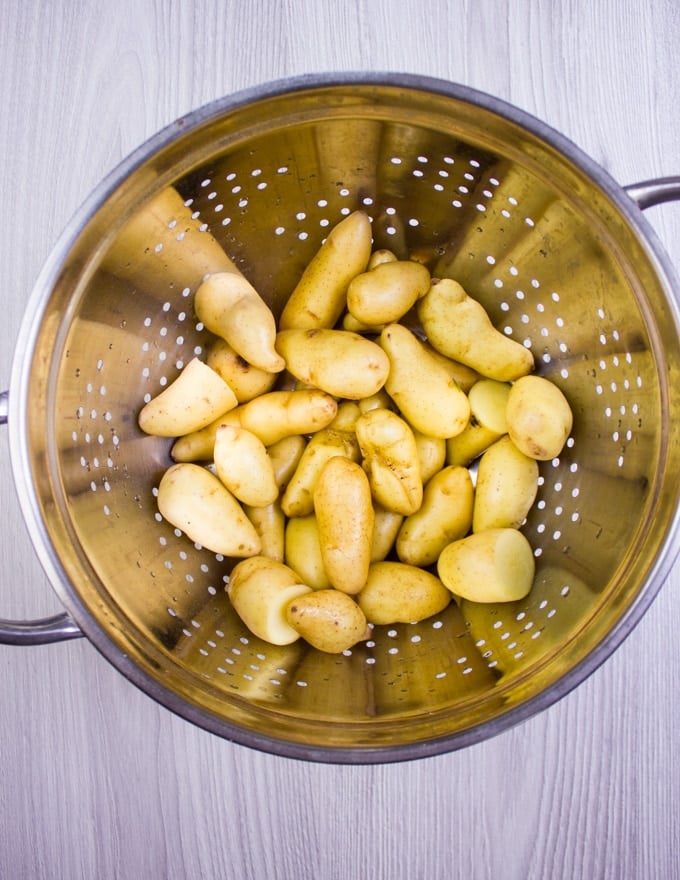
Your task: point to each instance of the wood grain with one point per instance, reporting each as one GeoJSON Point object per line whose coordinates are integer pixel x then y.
{"type": "Point", "coordinates": [98, 781]}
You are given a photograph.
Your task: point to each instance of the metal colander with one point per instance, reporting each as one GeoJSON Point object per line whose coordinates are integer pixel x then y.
{"type": "Point", "coordinates": [563, 261]}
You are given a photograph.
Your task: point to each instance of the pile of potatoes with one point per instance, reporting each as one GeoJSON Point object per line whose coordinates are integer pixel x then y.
{"type": "Point", "coordinates": [365, 460]}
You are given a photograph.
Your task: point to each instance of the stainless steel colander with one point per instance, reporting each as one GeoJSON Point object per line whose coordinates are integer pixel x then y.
{"type": "Point", "coordinates": [559, 254]}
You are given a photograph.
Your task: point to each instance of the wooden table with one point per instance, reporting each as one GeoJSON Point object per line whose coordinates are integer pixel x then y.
{"type": "Point", "coordinates": [98, 781]}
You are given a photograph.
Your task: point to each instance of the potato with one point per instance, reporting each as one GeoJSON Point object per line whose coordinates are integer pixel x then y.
{"type": "Point", "coordinates": [382, 255]}
{"type": "Point", "coordinates": [271, 416]}
{"type": "Point", "coordinates": [386, 292]}
{"type": "Point", "coordinates": [346, 416]}
{"type": "Point", "coordinates": [496, 565]}
{"type": "Point", "coordinates": [399, 593]}
{"type": "Point", "coordinates": [303, 551]}
{"type": "Point", "coordinates": [465, 377]}
{"type": "Point", "coordinates": [270, 525]}
{"type": "Point", "coordinates": [507, 483]}
{"type": "Point", "coordinates": [390, 453]}
{"type": "Point", "coordinates": [380, 400]}
{"type": "Point", "coordinates": [459, 327]}
{"type": "Point", "coordinates": [193, 400]}
{"type": "Point", "coordinates": [260, 590]}
{"type": "Point", "coordinates": [320, 296]}
{"type": "Point", "coordinates": [488, 401]}
{"type": "Point", "coordinates": [349, 322]}
{"type": "Point", "coordinates": [444, 516]}
{"type": "Point", "coordinates": [431, 455]}
{"type": "Point", "coordinates": [231, 308]}
{"type": "Point", "coordinates": [195, 501]}
{"type": "Point", "coordinates": [298, 499]}
{"type": "Point", "coordinates": [329, 620]}
{"type": "Point", "coordinates": [341, 363]}
{"type": "Point", "coordinates": [285, 455]}
{"type": "Point", "coordinates": [345, 520]}
{"type": "Point", "coordinates": [426, 395]}
{"type": "Point", "coordinates": [243, 465]}
{"type": "Point", "coordinates": [279, 414]}
{"type": "Point", "coordinates": [245, 380]}
{"type": "Point", "coordinates": [539, 417]}
{"type": "Point", "coordinates": [386, 527]}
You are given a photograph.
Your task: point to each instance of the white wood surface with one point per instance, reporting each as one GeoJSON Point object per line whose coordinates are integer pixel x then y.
{"type": "Point", "coordinates": [96, 780]}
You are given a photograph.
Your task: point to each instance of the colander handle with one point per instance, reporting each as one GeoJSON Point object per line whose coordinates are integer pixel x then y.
{"type": "Point", "coordinates": [58, 628]}
{"type": "Point", "coordinates": [654, 192]}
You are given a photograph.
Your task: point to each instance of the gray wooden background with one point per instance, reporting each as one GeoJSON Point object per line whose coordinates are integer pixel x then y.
{"type": "Point", "coordinates": [96, 780]}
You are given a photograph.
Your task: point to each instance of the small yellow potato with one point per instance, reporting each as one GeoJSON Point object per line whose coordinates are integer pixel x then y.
{"type": "Point", "coordinates": [270, 525]}
{"type": "Point", "coordinates": [320, 296]}
{"type": "Point", "coordinates": [444, 516]}
{"type": "Point", "coordinates": [465, 377]}
{"type": "Point", "coordinates": [285, 455]}
{"type": "Point", "coordinates": [382, 255]}
{"type": "Point", "coordinates": [231, 308]}
{"type": "Point", "coordinates": [245, 380]}
{"type": "Point", "coordinates": [459, 327]}
{"type": "Point", "coordinates": [396, 592]}
{"type": "Point", "coordinates": [260, 590]}
{"type": "Point", "coordinates": [196, 502]}
{"type": "Point", "coordinates": [272, 417]}
{"type": "Point", "coordinates": [279, 414]}
{"type": "Point", "coordinates": [428, 398]}
{"type": "Point", "coordinates": [341, 363]}
{"type": "Point", "coordinates": [431, 455]}
{"type": "Point", "coordinates": [243, 465]}
{"type": "Point", "coordinates": [346, 416]}
{"type": "Point", "coordinates": [349, 322]}
{"type": "Point", "coordinates": [506, 487]}
{"type": "Point", "coordinates": [539, 417]}
{"type": "Point", "coordinates": [195, 398]}
{"type": "Point", "coordinates": [385, 530]}
{"type": "Point", "coordinates": [345, 520]}
{"type": "Point", "coordinates": [385, 293]}
{"type": "Point", "coordinates": [329, 620]}
{"type": "Point", "coordinates": [390, 453]}
{"type": "Point", "coordinates": [298, 498]}
{"type": "Point", "coordinates": [496, 565]}
{"type": "Point", "coordinates": [380, 400]}
{"type": "Point", "coordinates": [303, 551]}
{"type": "Point", "coordinates": [488, 402]}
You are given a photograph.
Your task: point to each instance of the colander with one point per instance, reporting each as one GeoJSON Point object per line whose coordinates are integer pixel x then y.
{"type": "Point", "coordinates": [562, 259]}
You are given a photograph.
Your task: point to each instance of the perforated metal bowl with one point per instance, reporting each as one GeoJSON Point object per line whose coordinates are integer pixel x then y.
{"type": "Point", "coordinates": [563, 260]}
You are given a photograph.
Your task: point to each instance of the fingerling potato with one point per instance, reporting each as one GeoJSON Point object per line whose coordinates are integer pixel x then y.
{"type": "Point", "coordinates": [196, 502]}
{"type": "Point", "coordinates": [260, 590]}
{"type": "Point", "coordinates": [329, 620]}
{"type": "Point", "coordinates": [496, 565]}
{"type": "Point", "coordinates": [193, 400]}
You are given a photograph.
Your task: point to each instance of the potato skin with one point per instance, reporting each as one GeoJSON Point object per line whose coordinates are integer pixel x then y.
{"type": "Point", "coordinates": [445, 516]}
{"type": "Point", "coordinates": [496, 565]}
{"type": "Point", "coordinates": [345, 520]}
{"type": "Point", "coordinates": [193, 400]}
{"type": "Point", "coordinates": [344, 364]}
{"type": "Point", "coordinates": [539, 417]}
{"type": "Point", "coordinates": [320, 295]}
{"type": "Point", "coordinates": [399, 593]}
{"type": "Point", "coordinates": [507, 483]}
{"type": "Point", "coordinates": [391, 459]}
{"type": "Point", "coordinates": [424, 391]}
{"type": "Point", "coordinates": [195, 501]}
{"type": "Point", "coordinates": [386, 291]}
{"type": "Point", "coordinates": [457, 326]}
{"type": "Point", "coordinates": [260, 590]}
{"type": "Point", "coordinates": [331, 621]}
